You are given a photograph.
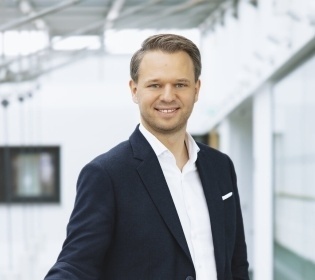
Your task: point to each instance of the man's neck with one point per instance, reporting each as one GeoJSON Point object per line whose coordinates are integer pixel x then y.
{"type": "Point", "coordinates": [175, 143]}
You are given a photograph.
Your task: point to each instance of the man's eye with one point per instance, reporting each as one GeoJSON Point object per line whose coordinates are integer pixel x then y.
{"type": "Point", "coordinates": [154, 86]}
{"type": "Point", "coordinates": [180, 85]}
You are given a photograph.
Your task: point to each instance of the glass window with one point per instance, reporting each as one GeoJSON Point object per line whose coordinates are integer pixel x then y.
{"type": "Point", "coordinates": [29, 174]}
{"type": "Point", "coordinates": [294, 174]}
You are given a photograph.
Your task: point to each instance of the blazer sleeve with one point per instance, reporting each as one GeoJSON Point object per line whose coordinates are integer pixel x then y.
{"type": "Point", "coordinates": [90, 228]}
{"type": "Point", "coordinates": [239, 265]}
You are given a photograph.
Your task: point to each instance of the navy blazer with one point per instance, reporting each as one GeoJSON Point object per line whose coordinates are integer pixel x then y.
{"type": "Point", "coordinates": [124, 224]}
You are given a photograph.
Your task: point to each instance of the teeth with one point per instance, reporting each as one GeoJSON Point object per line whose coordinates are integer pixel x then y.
{"type": "Point", "coordinates": [168, 111]}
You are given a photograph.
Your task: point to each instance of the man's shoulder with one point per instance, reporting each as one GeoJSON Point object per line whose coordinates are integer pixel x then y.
{"type": "Point", "coordinates": [211, 151]}
{"type": "Point", "coordinates": [117, 154]}
{"type": "Point", "coordinates": [215, 158]}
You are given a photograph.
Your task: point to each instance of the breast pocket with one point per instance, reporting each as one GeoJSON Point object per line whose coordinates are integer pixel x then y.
{"type": "Point", "coordinates": [226, 196]}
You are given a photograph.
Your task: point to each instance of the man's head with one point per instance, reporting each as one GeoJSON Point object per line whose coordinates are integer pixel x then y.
{"type": "Point", "coordinates": [165, 82]}
{"type": "Point", "coordinates": [168, 43]}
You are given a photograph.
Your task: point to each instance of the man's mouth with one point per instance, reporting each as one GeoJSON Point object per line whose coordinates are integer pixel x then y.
{"type": "Point", "coordinates": [166, 111]}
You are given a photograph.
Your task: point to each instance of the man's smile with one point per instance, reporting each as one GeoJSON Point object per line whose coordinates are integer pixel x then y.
{"type": "Point", "coordinates": [167, 111]}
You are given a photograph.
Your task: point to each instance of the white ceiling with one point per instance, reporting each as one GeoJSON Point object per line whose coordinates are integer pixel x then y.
{"type": "Point", "coordinates": [69, 18]}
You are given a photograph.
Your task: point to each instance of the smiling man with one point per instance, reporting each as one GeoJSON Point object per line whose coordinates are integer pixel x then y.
{"type": "Point", "coordinates": [160, 205]}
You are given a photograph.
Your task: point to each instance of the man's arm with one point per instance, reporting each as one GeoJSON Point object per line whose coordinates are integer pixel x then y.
{"type": "Point", "coordinates": [239, 263]}
{"type": "Point", "coordinates": [90, 228]}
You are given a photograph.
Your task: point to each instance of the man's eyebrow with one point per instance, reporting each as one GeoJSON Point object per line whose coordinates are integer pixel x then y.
{"type": "Point", "coordinates": [152, 81]}
{"type": "Point", "coordinates": [183, 81]}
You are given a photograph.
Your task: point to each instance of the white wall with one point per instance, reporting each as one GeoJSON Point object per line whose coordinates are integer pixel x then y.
{"type": "Point", "coordinates": [262, 185]}
{"type": "Point", "coordinates": [86, 108]}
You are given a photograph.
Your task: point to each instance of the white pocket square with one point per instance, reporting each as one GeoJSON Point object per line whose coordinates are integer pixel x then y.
{"type": "Point", "coordinates": [227, 196]}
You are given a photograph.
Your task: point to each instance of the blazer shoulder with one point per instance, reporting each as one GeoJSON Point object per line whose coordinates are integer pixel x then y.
{"type": "Point", "coordinates": [116, 155]}
{"type": "Point", "coordinates": [219, 160]}
{"type": "Point", "coordinates": [212, 152]}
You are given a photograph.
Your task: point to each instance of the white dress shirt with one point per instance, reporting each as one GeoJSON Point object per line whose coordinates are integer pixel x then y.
{"type": "Point", "coordinates": [190, 202]}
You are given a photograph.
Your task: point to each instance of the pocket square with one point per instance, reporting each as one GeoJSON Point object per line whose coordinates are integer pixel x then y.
{"type": "Point", "coordinates": [227, 196]}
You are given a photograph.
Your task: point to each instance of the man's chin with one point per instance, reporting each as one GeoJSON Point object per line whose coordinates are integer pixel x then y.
{"type": "Point", "coordinates": [168, 129]}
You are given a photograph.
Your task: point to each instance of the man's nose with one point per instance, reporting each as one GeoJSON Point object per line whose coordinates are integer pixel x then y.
{"type": "Point", "coordinates": [168, 94]}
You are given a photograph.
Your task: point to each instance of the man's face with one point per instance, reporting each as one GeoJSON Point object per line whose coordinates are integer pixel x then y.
{"type": "Point", "coordinates": [166, 91]}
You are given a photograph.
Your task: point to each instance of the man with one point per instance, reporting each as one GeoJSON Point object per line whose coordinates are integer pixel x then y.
{"type": "Point", "coordinates": [158, 206]}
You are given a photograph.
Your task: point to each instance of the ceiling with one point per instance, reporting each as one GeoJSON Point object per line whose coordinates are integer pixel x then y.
{"type": "Point", "coordinates": [64, 17]}
{"type": "Point", "coordinates": [92, 17]}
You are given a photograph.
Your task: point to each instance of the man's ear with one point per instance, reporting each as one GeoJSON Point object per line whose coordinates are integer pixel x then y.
{"type": "Point", "coordinates": [197, 89]}
{"type": "Point", "coordinates": [133, 89]}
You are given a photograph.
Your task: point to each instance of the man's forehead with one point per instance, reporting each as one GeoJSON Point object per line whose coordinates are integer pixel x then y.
{"type": "Point", "coordinates": [160, 57]}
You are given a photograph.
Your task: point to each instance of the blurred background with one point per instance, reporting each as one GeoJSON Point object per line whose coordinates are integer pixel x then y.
{"type": "Point", "coordinates": [64, 72]}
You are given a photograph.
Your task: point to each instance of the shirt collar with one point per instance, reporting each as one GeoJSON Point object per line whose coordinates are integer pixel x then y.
{"type": "Point", "coordinates": [192, 147]}
{"type": "Point", "coordinates": [159, 148]}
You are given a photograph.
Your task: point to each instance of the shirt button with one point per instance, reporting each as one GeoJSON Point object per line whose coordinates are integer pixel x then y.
{"type": "Point", "coordinates": [189, 278]}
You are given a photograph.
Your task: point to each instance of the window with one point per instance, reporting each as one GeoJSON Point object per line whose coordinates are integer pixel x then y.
{"type": "Point", "coordinates": [294, 174]}
{"type": "Point", "coordinates": [29, 174]}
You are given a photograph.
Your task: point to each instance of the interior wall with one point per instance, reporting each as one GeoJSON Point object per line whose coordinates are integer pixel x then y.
{"type": "Point", "coordinates": [262, 185]}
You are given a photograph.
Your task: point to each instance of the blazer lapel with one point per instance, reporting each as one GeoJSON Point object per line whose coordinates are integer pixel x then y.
{"type": "Point", "coordinates": [153, 178]}
{"type": "Point", "coordinates": [212, 193]}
